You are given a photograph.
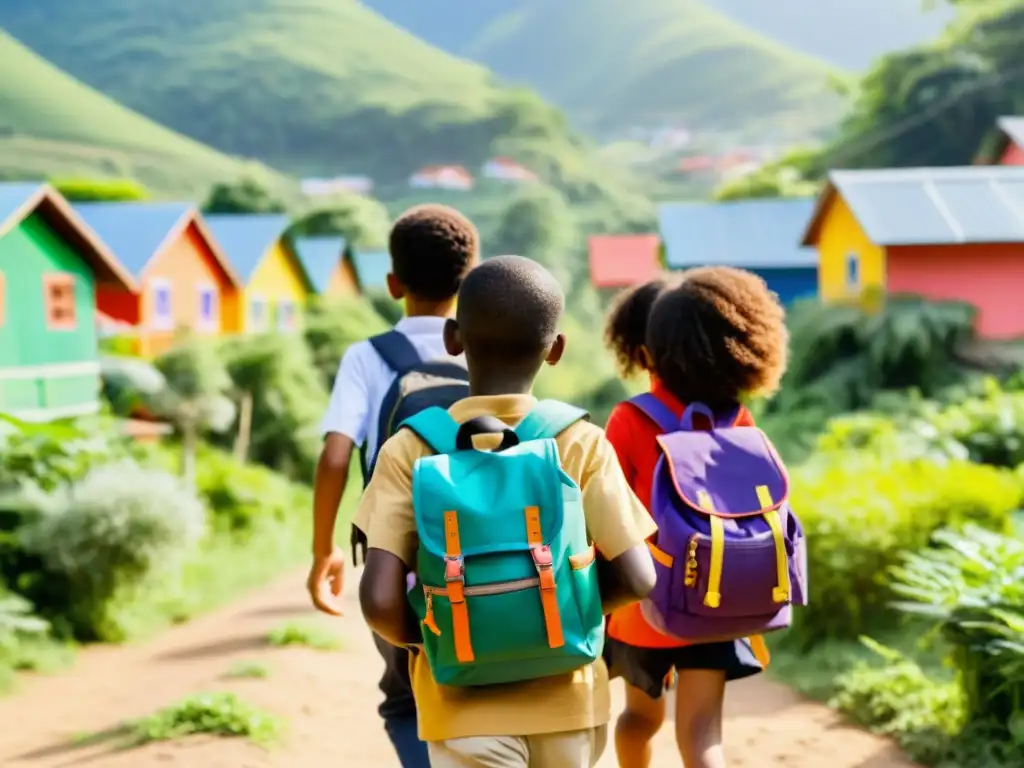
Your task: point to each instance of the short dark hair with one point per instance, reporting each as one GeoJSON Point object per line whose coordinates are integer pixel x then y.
{"type": "Point", "coordinates": [509, 308]}
{"type": "Point", "coordinates": [625, 330]}
{"type": "Point", "coordinates": [432, 248]}
{"type": "Point", "coordinates": [717, 335]}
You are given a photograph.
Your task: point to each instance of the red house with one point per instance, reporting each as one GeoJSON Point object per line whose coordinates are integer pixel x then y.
{"type": "Point", "coordinates": [1007, 148]}
{"type": "Point", "coordinates": [619, 261]}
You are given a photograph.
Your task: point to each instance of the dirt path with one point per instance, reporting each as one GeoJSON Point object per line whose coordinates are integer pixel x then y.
{"type": "Point", "coordinates": [329, 701]}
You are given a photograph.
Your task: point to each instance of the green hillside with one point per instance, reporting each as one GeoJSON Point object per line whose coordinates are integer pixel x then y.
{"type": "Point", "coordinates": [612, 65]}
{"type": "Point", "coordinates": [52, 125]}
{"type": "Point", "coordinates": [312, 87]}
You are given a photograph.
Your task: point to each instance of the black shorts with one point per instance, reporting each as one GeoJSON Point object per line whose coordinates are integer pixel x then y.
{"type": "Point", "coordinates": [648, 668]}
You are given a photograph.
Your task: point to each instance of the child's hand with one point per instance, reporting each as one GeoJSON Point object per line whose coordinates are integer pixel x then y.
{"type": "Point", "coordinates": [325, 581]}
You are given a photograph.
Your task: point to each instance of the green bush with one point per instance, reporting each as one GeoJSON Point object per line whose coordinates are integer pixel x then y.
{"type": "Point", "coordinates": [289, 399]}
{"type": "Point", "coordinates": [972, 586]}
{"type": "Point", "coordinates": [242, 498]}
{"type": "Point", "coordinates": [101, 540]}
{"type": "Point", "coordinates": [217, 714]}
{"type": "Point", "coordinates": [332, 327]}
{"type": "Point", "coordinates": [862, 512]}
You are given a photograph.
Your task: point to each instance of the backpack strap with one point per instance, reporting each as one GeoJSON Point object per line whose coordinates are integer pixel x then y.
{"type": "Point", "coordinates": [549, 418]}
{"type": "Point", "coordinates": [436, 428]}
{"type": "Point", "coordinates": [654, 409]}
{"type": "Point", "coordinates": [396, 351]}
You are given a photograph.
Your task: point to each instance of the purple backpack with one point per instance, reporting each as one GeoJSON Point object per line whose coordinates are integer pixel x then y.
{"type": "Point", "coordinates": [730, 552]}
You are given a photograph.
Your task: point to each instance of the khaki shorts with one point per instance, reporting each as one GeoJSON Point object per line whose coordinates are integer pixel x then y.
{"type": "Point", "coordinates": [574, 749]}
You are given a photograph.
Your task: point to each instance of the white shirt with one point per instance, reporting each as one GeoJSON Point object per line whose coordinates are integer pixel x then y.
{"type": "Point", "coordinates": [364, 378]}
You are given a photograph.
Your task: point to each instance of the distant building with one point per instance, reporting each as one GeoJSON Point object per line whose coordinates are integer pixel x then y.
{"type": "Point", "coordinates": [503, 169]}
{"type": "Point", "coordinates": [761, 235]}
{"type": "Point", "coordinates": [696, 164]}
{"type": "Point", "coordinates": [947, 234]}
{"type": "Point", "coordinates": [619, 261]}
{"type": "Point", "coordinates": [359, 185]}
{"type": "Point", "coordinates": [442, 177]}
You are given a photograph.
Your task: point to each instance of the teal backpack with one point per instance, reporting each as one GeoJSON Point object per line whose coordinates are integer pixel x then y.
{"type": "Point", "coordinates": [506, 580]}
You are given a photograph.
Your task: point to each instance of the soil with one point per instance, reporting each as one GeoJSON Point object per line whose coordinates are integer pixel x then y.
{"type": "Point", "coordinates": [328, 701]}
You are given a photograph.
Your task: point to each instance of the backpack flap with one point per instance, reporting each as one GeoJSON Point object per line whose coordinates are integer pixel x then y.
{"type": "Point", "coordinates": [436, 428]}
{"type": "Point", "coordinates": [549, 418]}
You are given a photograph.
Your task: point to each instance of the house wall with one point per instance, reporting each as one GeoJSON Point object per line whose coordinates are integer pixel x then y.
{"type": "Point", "coordinates": [277, 277]}
{"type": "Point", "coordinates": [185, 263]}
{"type": "Point", "coordinates": [1013, 155]}
{"type": "Point", "coordinates": [343, 280]}
{"type": "Point", "coordinates": [45, 373]}
{"type": "Point", "coordinates": [988, 276]}
{"type": "Point", "coordinates": [792, 283]}
{"type": "Point", "coordinates": [839, 237]}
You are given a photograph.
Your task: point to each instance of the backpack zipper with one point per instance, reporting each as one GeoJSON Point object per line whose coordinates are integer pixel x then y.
{"type": "Point", "coordinates": [481, 590]}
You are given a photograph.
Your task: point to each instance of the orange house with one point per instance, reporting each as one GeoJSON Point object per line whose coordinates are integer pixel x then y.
{"type": "Point", "coordinates": [947, 234]}
{"type": "Point", "coordinates": [185, 282]}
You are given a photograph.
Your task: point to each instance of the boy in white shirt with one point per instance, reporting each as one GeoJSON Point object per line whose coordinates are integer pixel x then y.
{"type": "Point", "coordinates": [432, 247]}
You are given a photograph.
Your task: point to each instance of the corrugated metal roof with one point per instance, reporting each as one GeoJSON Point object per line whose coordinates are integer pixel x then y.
{"type": "Point", "coordinates": [762, 233]}
{"type": "Point", "coordinates": [1013, 127]}
{"type": "Point", "coordinates": [372, 269]}
{"type": "Point", "coordinates": [245, 237]}
{"type": "Point", "coordinates": [617, 261]}
{"type": "Point", "coordinates": [133, 231]}
{"type": "Point", "coordinates": [13, 195]}
{"type": "Point", "coordinates": [936, 206]}
{"type": "Point", "coordinates": [319, 257]}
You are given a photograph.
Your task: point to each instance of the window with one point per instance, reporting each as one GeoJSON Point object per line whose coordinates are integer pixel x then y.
{"type": "Point", "coordinates": [257, 314]}
{"type": "Point", "coordinates": [163, 309]}
{"type": "Point", "coordinates": [286, 315]}
{"type": "Point", "coordinates": [59, 301]}
{"type": "Point", "coordinates": [208, 306]}
{"type": "Point", "coordinates": [853, 271]}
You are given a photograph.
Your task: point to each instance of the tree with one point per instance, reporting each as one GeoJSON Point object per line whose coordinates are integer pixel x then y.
{"type": "Point", "coordinates": [100, 190]}
{"type": "Point", "coordinates": [360, 220]}
{"type": "Point", "coordinates": [795, 174]}
{"type": "Point", "coordinates": [539, 225]}
{"type": "Point", "coordinates": [244, 196]}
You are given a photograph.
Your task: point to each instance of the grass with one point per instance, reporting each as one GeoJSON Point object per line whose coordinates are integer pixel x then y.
{"type": "Point", "coordinates": [53, 125]}
{"type": "Point", "coordinates": [654, 63]}
{"type": "Point", "coordinates": [251, 670]}
{"type": "Point", "coordinates": [306, 635]}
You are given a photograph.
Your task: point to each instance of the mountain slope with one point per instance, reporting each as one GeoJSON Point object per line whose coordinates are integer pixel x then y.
{"type": "Point", "coordinates": [614, 64]}
{"type": "Point", "coordinates": [310, 86]}
{"type": "Point", "coordinates": [52, 125]}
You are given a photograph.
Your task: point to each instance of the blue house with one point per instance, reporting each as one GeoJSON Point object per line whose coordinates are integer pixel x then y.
{"type": "Point", "coordinates": [763, 236]}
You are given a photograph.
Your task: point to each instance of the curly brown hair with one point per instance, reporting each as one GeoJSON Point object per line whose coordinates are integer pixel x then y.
{"type": "Point", "coordinates": [718, 335]}
{"type": "Point", "coordinates": [432, 248]}
{"type": "Point", "coordinates": [625, 328]}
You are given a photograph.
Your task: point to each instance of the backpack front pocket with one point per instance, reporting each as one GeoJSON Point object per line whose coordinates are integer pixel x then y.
{"type": "Point", "coordinates": [741, 581]}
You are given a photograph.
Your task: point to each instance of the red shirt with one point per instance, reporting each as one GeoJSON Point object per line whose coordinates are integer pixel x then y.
{"type": "Point", "coordinates": [633, 434]}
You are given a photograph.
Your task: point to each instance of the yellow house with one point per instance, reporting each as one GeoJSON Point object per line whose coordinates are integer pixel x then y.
{"type": "Point", "coordinates": [850, 263]}
{"type": "Point", "coordinates": [275, 285]}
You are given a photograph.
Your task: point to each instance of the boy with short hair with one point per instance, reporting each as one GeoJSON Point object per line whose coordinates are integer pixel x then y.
{"type": "Point", "coordinates": [507, 326]}
{"type": "Point", "coordinates": [432, 247]}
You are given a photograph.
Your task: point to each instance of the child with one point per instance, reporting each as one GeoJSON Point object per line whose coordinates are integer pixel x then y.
{"type": "Point", "coordinates": [432, 248]}
{"type": "Point", "coordinates": [508, 313]}
{"type": "Point", "coordinates": [714, 336]}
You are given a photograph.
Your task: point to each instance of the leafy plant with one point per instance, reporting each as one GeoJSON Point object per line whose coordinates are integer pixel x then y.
{"type": "Point", "coordinates": [217, 714]}
{"type": "Point", "coordinates": [310, 636]}
{"type": "Point", "coordinates": [333, 326]}
{"type": "Point", "coordinates": [17, 622]}
{"type": "Point", "coordinates": [103, 538]}
{"type": "Point", "coordinates": [248, 670]}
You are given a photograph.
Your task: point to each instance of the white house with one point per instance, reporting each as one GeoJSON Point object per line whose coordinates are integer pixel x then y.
{"type": "Point", "coordinates": [503, 169]}
{"type": "Point", "coordinates": [442, 177]}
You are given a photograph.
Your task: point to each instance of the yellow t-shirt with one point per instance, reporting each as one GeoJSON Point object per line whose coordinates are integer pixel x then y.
{"type": "Point", "coordinates": [616, 522]}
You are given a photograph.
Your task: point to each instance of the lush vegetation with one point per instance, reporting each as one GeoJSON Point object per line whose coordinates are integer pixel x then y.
{"type": "Point", "coordinates": [53, 125]}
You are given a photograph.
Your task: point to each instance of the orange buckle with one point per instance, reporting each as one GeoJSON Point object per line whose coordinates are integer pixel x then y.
{"type": "Point", "coordinates": [544, 563]}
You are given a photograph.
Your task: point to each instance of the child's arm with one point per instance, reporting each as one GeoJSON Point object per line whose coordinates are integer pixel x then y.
{"type": "Point", "coordinates": [391, 533]}
{"type": "Point", "coordinates": [619, 526]}
{"type": "Point", "coordinates": [382, 595]}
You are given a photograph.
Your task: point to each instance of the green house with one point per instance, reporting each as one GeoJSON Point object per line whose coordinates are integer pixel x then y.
{"type": "Point", "coordinates": [50, 265]}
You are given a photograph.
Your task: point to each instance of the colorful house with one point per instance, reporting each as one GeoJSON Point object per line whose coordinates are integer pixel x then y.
{"type": "Point", "coordinates": [51, 265]}
{"type": "Point", "coordinates": [328, 262]}
{"type": "Point", "coordinates": [453, 177]}
{"type": "Point", "coordinates": [504, 169]}
{"type": "Point", "coordinates": [942, 233]}
{"type": "Point", "coordinates": [275, 286]}
{"type": "Point", "coordinates": [372, 268]}
{"type": "Point", "coordinates": [619, 261]}
{"type": "Point", "coordinates": [761, 235]}
{"type": "Point", "coordinates": [1006, 145]}
{"type": "Point", "coordinates": [185, 283]}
